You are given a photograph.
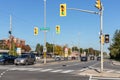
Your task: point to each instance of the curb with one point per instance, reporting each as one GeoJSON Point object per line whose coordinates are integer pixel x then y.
{"type": "Point", "coordinates": [98, 74]}
{"type": "Point", "coordinates": [116, 63]}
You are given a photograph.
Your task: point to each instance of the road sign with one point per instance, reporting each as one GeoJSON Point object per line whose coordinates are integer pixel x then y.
{"type": "Point", "coordinates": [44, 29]}
{"type": "Point", "coordinates": [44, 49]}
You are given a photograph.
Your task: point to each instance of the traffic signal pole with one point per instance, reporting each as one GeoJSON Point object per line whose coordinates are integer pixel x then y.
{"type": "Point", "coordinates": [88, 11]}
{"type": "Point", "coordinates": [101, 34]}
{"type": "Point", "coordinates": [44, 48]}
{"type": "Point", "coordinates": [100, 7]}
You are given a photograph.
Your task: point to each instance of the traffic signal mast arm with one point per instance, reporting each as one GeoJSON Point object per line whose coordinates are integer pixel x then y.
{"type": "Point", "coordinates": [88, 11]}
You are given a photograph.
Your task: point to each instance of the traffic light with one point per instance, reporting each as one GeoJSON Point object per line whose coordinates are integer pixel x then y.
{"type": "Point", "coordinates": [106, 38]}
{"type": "Point", "coordinates": [35, 30]}
{"type": "Point", "coordinates": [62, 9]}
{"type": "Point", "coordinates": [58, 29]}
{"type": "Point", "coordinates": [98, 4]}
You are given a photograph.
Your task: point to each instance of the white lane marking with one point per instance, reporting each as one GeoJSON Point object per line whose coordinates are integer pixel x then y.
{"type": "Point", "coordinates": [110, 71]}
{"type": "Point", "coordinates": [56, 70]}
{"type": "Point", "coordinates": [32, 69]}
{"type": "Point", "coordinates": [26, 69]}
{"type": "Point", "coordinates": [67, 71]}
{"type": "Point", "coordinates": [46, 70]}
{"type": "Point", "coordinates": [3, 73]}
{"type": "Point", "coordinates": [90, 77]}
{"type": "Point", "coordinates": [83, 69]}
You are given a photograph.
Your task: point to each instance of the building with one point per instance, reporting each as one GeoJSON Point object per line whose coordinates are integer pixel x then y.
{"type": "Point", "coordinates": [8, 42]}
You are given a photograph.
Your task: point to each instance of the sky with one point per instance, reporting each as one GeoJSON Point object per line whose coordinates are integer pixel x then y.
{"type": "Point", "coordinates": [77, 28]}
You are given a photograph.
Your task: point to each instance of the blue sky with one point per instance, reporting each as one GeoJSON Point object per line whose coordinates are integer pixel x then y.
{"type": "Point", "coordinates": [77, 28]}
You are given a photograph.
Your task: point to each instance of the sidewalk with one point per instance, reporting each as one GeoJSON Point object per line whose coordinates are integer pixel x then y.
{"type": "Point", "coordinates": [115, 62]}
{"type": "Point", "coordinates": [96, 73]}
{"type": "Point", "coordinates": [106, 73]}
{"type": "Point", "coordinates": [52, 62]}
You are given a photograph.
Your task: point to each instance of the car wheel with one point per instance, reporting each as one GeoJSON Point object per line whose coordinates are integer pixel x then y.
{"type": "Point", "coordinates": [16, 64]}
{"type": "Point", "coordinates": [26, 63]}
{"type": "Point", "coordinates": [6, 62]}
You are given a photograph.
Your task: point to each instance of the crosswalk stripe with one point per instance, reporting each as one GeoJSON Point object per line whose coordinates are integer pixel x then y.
{"type": "Point", "coordinates": [67, 71]}
{"type": "Point", "coordinates": [56, 70]}
{"type": "Point", "coordinates": [46, 70]}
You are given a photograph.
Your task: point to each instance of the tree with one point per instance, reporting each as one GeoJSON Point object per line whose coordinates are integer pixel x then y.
{"type": "Point", "coordinates": [74, 48]}
{"type": "Point", "coordinates": [115, 46]}
{"type": "Point", "coordinates": [38, 48]}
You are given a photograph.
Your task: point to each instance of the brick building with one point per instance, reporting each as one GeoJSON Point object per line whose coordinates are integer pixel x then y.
{"type": "Point", "coordinates": [7, 42]}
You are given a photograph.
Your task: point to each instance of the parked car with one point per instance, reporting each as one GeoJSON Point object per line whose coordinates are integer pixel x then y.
{"type": "Point", "coordinates": [26, 58]}
{"type": "Point", "coordinates": [98, 58]}
{"type": "Point", "coordinates": [5, 58]}
{"type": "Point", "coordinates": [92, 57]}
{"type": "Point", "coordinates": [57, 58]}
{"type": "Point", "coordinates": [84, 58]}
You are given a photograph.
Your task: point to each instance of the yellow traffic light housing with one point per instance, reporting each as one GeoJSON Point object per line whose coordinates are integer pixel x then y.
{"type": "Point", "coordinates": [62, 9]}
{"type": "Point", "coordinates": [58, 29]}
{"type": "Point", "coordinates": [35, 30]}
{"type": "Point", "coordinates": [98, 4]}
{"type": "Point", "coordinates": [102, 39]}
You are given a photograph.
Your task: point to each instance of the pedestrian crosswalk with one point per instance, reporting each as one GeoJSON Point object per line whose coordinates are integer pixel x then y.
{"type": "Point", "coordinates": [38, 69]}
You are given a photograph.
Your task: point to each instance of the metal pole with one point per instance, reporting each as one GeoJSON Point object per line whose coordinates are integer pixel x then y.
{"type": "Point", "coordinates": [10, 32]}
{"type": "Point", "coordinates": [44, 31]}
{"type": "Point", "coordinates": [101, 33]}
{"type": "Point", "coordinates": [88, 11]}
{"type": "Point", "coordinates": [53, 43]}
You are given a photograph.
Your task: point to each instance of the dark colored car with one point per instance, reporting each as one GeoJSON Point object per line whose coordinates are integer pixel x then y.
{"type": "Point", "coordinates": [5, 58]}
{"type": "Point", "coordinates": [57, 58]}
{"type": "Point", "coordinates": [98, 58]}
{"type": "Point", "coordinates": [83, 58]}
{"type": "Point", "coordinates": [92, 58]}
{"type": "Point", "coordinates": [26, 58]}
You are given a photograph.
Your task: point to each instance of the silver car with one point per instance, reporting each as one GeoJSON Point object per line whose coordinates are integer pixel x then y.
{"type": "Point", "coordinates": [25, 59]}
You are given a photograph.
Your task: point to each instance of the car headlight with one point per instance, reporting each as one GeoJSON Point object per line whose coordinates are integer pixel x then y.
{"type": "Point", "coordinates": [22, 60]}
{"type": "Point", "coordinates": [2, 60]}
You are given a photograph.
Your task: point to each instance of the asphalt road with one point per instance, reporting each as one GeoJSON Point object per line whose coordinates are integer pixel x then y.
{"type": "Point", "coordinates": [32, 75]}
{"type": "Point", "coordinates": [52, 71]}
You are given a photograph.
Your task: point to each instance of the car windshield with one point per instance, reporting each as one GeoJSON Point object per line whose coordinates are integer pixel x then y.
{"type": "Point", "coordinates": [23, 56]}
{"type": "Point", "coordinates": [1, 56]}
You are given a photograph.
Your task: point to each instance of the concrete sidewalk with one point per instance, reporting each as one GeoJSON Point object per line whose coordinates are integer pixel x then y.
{"type": "Point", "coordinates": [52, 62]}
{"type": "Point", "coordinates": [106, 73]}
{"type": "Point", "coordinates": [96, 73]}
{"type": "Point", "coordinates": [116, 63]}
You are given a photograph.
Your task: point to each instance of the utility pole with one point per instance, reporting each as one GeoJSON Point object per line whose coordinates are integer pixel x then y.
{"type": "Point", "coordinates": [44, 48]}
{"type": "Point", "coordinates": [10, 33]}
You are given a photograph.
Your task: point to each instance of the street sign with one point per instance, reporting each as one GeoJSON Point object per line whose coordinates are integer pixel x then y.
{"type": "Point", "coordinates": [44, 29]}
{"type": "Point", "coordinates": [44, 49]}
{"type": "Point", "coordinates": [18, 51]}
